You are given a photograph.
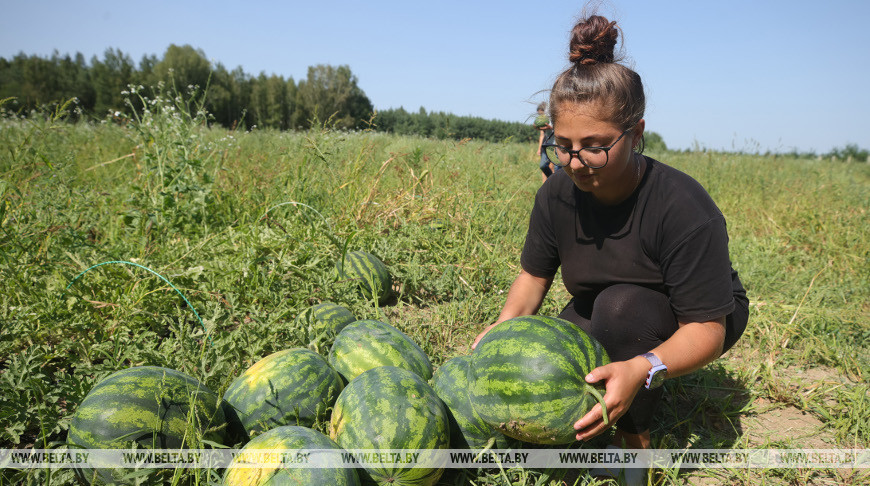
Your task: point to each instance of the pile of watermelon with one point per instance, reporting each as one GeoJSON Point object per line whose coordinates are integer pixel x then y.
{"type": "Point", "coordinates": [373, 389]}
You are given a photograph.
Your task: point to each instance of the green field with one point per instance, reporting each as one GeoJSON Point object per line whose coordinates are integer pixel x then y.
{"type": "Point", "coordinates": [205, 209]}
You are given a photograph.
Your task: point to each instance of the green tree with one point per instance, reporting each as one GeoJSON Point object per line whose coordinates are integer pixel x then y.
{"type": "Point", "coordinates": [331, 93]}
{"type": "Point", "coordinates": [34, 81]}
{"type": "Point", "coordinates": [184, 66]}
{"type": "Point", "coordinates": [76, 77]}
{"type": "Point", "coordinates": [654, 141]}
{"type": "Point", "coordinates": [849, 152]}
{"type": "Point", "coordinates": [228, 96]}
{"type": "Point", "coordinates": [449, 126]}
{"type": "Point", "coordinates": [109, 78]}
{"type": "Point", "coordinates": [21, 78]}
{"type": "Point", "coordinates": [272, 101]}
{"type": "Point", "coordinates": [146, 68]}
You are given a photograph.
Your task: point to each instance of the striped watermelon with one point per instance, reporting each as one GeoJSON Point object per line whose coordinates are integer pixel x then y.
{"type": "Point", "coordinates": [364, 345]}
{"type": "Point", "coordinates": [527, 378]}
{"type": "Point", "coordinates": [319, 324]}
{"type": "Point", "coordinates": [391, 408]}
{"type": "Point", "coordinates": [291, 387]}
{"type": "Point", "coordinates": [291, 440]}
{"type": "Point", "coordinates": [467, 429]}
{"type": "Point", "coordinates": [154, 408]}
{"type": "Point", "coordinates": [369, 272]}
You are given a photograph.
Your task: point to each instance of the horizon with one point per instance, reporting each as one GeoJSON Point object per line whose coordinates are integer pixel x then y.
{"type": "Point", "coordinates": [741, 77]}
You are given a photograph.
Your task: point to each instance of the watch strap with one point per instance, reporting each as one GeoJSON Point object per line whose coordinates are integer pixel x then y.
{"type": "Point", "coordinates": [653, 359]}
{"type": "Point", "coordinates": [658, 368]}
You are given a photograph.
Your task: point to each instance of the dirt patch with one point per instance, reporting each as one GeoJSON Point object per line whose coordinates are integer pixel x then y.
{"type": "Point", "coordinates": [774, 419]}
{"type": "Point", "coordinates": [812, 377]}
{"type": "Point", "coordinates": [785, 425]}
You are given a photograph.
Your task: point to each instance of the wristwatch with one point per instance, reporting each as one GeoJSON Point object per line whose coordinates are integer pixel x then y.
{"type": "Point", "coordinates": [657, 373]}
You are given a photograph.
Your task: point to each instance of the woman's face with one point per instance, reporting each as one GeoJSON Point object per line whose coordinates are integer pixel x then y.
{"type": "Point", "coordinates": [580, 125]}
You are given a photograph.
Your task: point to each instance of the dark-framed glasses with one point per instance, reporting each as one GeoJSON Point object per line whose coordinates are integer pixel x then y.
{"type": "Point", "coordinates": [592, 157]}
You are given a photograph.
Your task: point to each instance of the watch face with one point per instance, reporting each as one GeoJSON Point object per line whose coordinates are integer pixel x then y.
{"type": "Point", "coordinates": [657, 379]}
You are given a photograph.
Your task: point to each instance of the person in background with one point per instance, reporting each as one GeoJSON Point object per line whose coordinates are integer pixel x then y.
{"type": "Point", "coordinates": [545, 130]}
{"type": "Point", "coordinates": [642, 247]}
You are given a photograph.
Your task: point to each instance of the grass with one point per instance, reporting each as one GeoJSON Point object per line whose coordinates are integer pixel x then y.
{"type": "Point", "coordinates": [449, 220]}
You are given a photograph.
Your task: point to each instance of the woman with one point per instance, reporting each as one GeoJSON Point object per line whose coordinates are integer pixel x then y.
{"type": "Point", "coordinates": [545, 131]}
{"type": "Point", "coordinates": [642, 247]}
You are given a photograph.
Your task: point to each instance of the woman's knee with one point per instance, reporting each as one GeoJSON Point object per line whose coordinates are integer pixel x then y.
{"type": "Point", "coordinates": [622, 304]}
{"type": "Point", "coordinates": [630, 319]}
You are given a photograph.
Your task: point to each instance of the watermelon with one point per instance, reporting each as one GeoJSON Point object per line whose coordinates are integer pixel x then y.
{"type": "Point", "coordinates": [392, 408]}
{"type": "Point", "coordinates": [154, 408]}
{"type": "Point", "coordinates": [541, 121]}
{"type": "Point", "coordinates": [527, 378]}
{"type": "Point", "coordinates": [319, 324]}
{"type": "Point", "coordinates": [367, 344]}
{"type": "Point", "coordinates": [291, 440]}
{"type": "Point", "coordinates": [467, 429]}
{"type": "Point", "coordinates": [291, 387]}
{"type": "Point", "coordinates": [369, 272]}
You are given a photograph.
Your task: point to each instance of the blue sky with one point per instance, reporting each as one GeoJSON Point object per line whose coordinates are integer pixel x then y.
{"type": "Point", "coordinates": [736, 75]}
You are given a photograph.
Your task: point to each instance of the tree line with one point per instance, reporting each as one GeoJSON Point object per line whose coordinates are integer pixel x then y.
{"type": "Point", "coordinates": [233, 98]}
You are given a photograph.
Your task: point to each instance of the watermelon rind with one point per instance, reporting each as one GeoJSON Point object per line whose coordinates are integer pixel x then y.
{"type": "Point", "coordinates": [294, 386]}
{"type": "Point", "coordinates": [369, 273]}
{"type": "Point", "coordinates": [290, 440]}
{"type": "Point", "coordinates": [527, 378]}
{"type": "Point", "coordinates": [367, 344]}
{"type": "Point", "coordinates": [390, 408]}
{"type": "Point", "coordinates": [467, 429]}
{"type": "Point", "coordinates": [150, 407]}
{"type": "Point", "coordinates": [318, 325]}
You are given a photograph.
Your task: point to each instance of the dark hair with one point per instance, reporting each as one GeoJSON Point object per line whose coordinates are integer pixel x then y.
{"type": "Point", "coordinates": [596, 75]}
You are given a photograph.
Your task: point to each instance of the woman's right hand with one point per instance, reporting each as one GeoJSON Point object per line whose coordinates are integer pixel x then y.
{"type": "Point", "coordinates": [622, 380]}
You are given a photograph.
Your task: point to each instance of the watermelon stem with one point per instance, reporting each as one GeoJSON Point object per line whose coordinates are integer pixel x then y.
{"type": "Point", "coordinates": [155, 273]}
{"type": "Point", "coordinates": [486, 447]}
{"type": "Point", "coordinates": [591, 389]}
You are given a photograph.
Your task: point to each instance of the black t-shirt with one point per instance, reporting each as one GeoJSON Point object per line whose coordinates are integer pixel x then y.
{"type": "Point", "coordinates": [668, 235]}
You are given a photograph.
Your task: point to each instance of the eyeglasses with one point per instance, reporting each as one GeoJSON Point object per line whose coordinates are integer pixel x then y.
{"type": "Point", "coordinates": [593, 157]}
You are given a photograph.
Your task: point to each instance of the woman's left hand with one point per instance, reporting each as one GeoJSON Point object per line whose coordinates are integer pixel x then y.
{"type": "Point", "coordinates": [622, 380]}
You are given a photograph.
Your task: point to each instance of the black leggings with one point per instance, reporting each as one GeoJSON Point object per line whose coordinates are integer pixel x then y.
{"type": "Point", "coordinates": [629, 320]}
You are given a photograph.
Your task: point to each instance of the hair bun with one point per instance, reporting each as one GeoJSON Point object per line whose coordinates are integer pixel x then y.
{"type": "Point", "coordinates": [593, 41]}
